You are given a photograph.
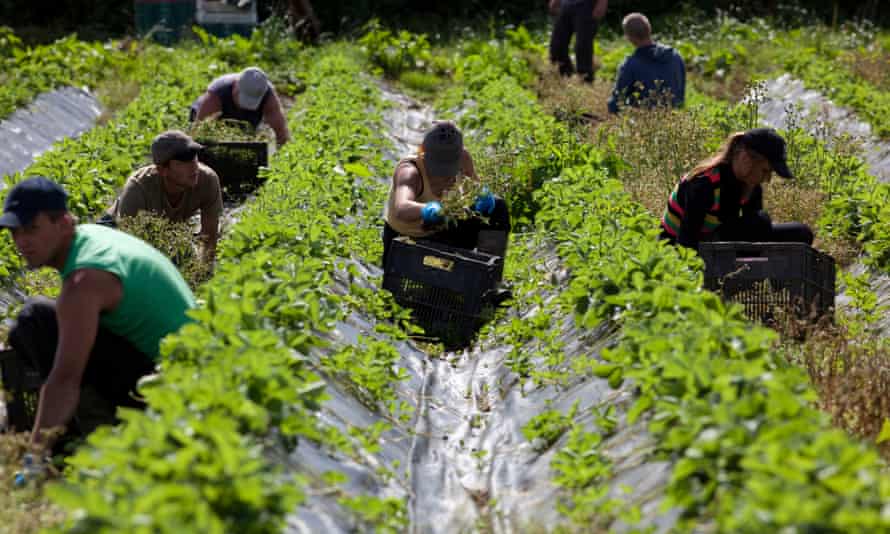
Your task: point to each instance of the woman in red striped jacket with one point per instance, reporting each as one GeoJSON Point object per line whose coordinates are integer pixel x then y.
{"type": "Point", "coordinates": [721, 199]}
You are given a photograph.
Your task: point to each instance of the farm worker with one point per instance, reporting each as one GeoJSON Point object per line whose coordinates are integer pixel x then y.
{"type": "Point", "coordinates": [721, 199]}
{"type": "Point", "coordinates": [580, 17]}
{"type": "Point", "coordinates": [175, 186]}
{"type": "Point", "coordinates": [653, 73]}
{"type": "Point", "coordinates": [418, 184]}
{"type": "Point", "coordinates": [119, 298]}
{"type": "Point", "coordinates": [246, 96]}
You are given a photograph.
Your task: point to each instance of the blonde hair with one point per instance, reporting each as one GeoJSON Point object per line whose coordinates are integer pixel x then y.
{"type": "Point", "coordinates": [723, 155]}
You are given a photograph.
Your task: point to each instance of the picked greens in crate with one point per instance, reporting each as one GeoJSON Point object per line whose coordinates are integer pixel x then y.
{"type": "Point", "coordinates": [234, 151]}
{"type": "Point", "coordinates": [768, 277]}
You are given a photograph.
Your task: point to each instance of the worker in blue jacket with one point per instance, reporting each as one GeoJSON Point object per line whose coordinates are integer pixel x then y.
{"type": "Point", "coordinates": [653, 74]}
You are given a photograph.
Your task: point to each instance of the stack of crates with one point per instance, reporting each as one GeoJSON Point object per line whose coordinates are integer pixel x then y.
{"type": "Point", "coordinates": [445, 287]}
{"type": "Point", "coordinates": [21, 391]}
{"type": "Point", "coordinates": [766, 277]}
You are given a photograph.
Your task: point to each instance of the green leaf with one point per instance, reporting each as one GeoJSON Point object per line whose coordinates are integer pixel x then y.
{"type": "Point", "coordinates": [885, 432]}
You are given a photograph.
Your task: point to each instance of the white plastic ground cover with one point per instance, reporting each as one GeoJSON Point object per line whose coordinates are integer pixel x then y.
{"type": "Point", "coordinates": [786, 90]}
{"type": "Point", "coordinates": [54, 115]}
{"type": "Point", "coordinates": [463, 462]}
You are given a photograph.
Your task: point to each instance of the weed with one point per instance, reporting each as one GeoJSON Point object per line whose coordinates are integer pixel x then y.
{"type": "Point", "coordinates": [23, 510]}
{"type": "Point", "coordinates": [174, 240]}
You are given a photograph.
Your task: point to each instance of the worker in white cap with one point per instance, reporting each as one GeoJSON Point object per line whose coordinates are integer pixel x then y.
{"type": "Point", "coordinates": [246, 96]}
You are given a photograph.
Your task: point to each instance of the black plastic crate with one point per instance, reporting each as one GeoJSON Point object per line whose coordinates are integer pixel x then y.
{"type": "Point", "coordinates": [21, 391]}
{"type": "Point", "coordinates": [237, 163]}
{"type": "Point", "coordinates": [764, 277]}
{"type": "Point", "coordinates": [445, 287]}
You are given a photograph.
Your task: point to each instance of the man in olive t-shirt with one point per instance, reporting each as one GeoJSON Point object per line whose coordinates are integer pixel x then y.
{"type": "Point", "coordinates": [175, 186]}
{"type": "Point", "coordinates": [119, 298]}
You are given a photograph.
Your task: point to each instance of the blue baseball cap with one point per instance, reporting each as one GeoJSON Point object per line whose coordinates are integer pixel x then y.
{"type": "Point", "coordinates": [28, 198]}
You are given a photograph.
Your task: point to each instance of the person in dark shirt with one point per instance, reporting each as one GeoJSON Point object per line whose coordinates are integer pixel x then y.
{"type": "Point", "coordinates": [721, 199]}
{"type": "Point", "coordinates": [652, 74]}
{"type": "Point", "coordinates": [246, 96]}
{"type": "Point", "coordinates": [580, 17]}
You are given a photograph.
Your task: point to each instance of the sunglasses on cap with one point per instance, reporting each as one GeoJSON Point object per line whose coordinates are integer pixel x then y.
{"type": "Point", "coordinates": [185, 155]}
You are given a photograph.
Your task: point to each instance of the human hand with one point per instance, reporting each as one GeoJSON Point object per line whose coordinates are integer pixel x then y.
{"type": "Point", "coordinates": [484, 203]}
{"type": "Point", "coordinates": [431, 213]}
{"type": "Point", "coordinates": [33, 468]}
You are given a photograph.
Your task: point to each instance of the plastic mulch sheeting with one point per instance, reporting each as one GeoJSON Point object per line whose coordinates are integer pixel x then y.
{"type": "Point", "coordinates": [55, 115]}
{"type": "Point", "coordinates": [786, 90]}
{"type": "Point", "coordinates": [461, 460]}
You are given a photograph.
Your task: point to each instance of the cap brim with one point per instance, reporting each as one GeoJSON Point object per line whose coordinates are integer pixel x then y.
{"type": "Point", "coordinates": [12, 220]}
{"type": "Point", "coordinates": [194, 145]}
{"type": "Point", "coordinates": [781, 168]}
{"type": "Point", "coordinates": [248, 102]}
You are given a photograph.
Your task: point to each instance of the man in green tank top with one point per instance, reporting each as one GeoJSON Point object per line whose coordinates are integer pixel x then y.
{"type": "Point", "coordinates": [119, 298]}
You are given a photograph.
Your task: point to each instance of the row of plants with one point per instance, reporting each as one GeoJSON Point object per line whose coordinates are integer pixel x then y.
{"type": "Point", "coordinates": [95, 165]}
{"type": "Point", "coordinates": [238, 389]}
{"type": "Point", "coordinates": [833, 193]}
{"type": "Point", "coordinates": [853, 76]}
{"type": "Point", "coordinates": [91, 168]}
{"type": "Point", "coordinates": [750, 450]}
{"type": "Point", "coordinates": [724, 54]}
{"type": "Point", "coordinates": [28, 71]}
{"type": "Point", "coordinates": [722, 403]}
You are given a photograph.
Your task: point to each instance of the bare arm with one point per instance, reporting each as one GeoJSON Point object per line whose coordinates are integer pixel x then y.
{"type": "Point", "coordinates": [407, 180]}
{"type": "Point", "coordinates": [599, 9]}
{"type": "Point", "coordinates": [210, 105]}
{"type": "Point", "coordinates": [467, 167]}
{"type": "Point", "coordinates": [209, 234]}
{"type": "Point", "coordinates": [274, 116]}
{"type": "Point", "coordinates": [84, 295]}
{"type": "Point", "coordinates": [211, 211]}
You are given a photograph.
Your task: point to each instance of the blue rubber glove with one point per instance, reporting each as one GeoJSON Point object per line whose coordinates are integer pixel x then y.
{"type": "Point", "coordinates": [432, 213]}
{"type": "Point", "coordinates": [484, 203]}
{"type": "Point", "coordinates": [32, 469]}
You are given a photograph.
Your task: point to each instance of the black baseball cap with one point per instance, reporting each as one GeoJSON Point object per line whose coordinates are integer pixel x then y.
{"type": "Point", "coordinates": [769, 144]}
{"type": "Point", "coordinates": [28, 198]}
{"type": "Point", "coordinates": [173, 144]}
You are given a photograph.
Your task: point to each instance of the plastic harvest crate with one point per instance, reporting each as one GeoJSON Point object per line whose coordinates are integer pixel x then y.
{"type": "Point", "coordinates": [236, 162]}
{"type": "Point", "coordinates": [21, 390]}
{"type": "Point", "coordinates": [766, 276]}
{"type": "Point", "coordinates": [445, 287]}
